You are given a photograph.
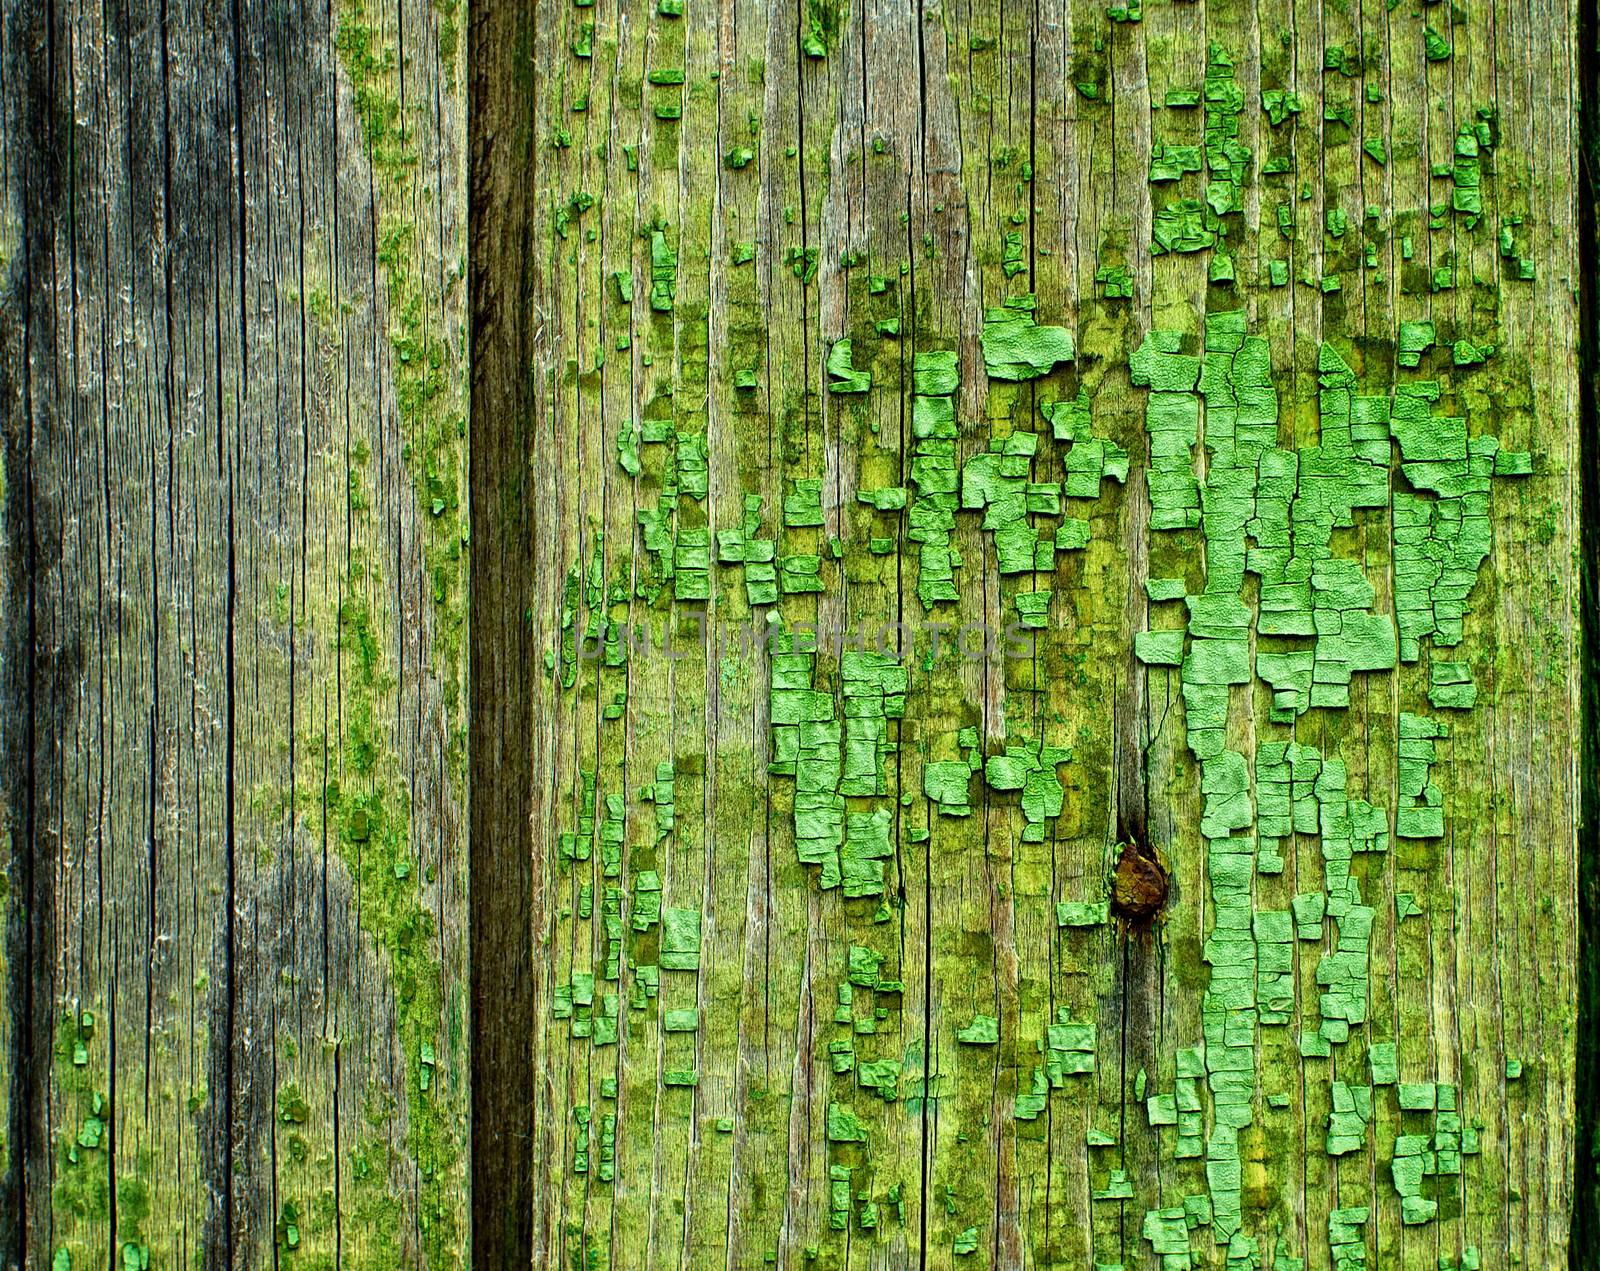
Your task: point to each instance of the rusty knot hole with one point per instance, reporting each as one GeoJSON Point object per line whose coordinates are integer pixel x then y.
{"type": "Point", "coordinates": [1139, 884]}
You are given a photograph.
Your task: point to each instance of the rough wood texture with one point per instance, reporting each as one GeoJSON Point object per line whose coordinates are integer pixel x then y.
{"type": "Point", "coordinates": [235, 519]}
{"type": "Point", "coordinates": [1350, 1029]}
{"type": "Point", "coordinates": [1215, 361]}
{"type": "Point", "coordinates": [507, 809]}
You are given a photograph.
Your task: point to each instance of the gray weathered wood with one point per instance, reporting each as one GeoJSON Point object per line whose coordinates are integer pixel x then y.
{"type": "Point", "coordinates": [235, 411]}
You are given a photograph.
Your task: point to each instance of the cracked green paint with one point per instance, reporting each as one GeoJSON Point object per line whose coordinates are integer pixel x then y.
{"type": "Point", "coordinates": [1271, 519]}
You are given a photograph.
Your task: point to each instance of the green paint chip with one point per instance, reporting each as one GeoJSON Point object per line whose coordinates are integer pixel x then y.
{"type": "Point", "coordinates": [1159, 648]}
{"type": "Point", "coordinates": [1118, 1187]}
{"type": "Point", "coordinates": [1016, 347]}
{"type": "Point", "coordinates": [1451, 686]}
{"type": "Point", "coordinates": [842, 377]}
{"type": "Point", "coordinates": [680, 940]}
{"type": "Point", "coordinates": [945, 782]}
{"type": "Point", "coordinates": [844, 1126]}
{"type": "Point", "coordinates": [1071, 913]}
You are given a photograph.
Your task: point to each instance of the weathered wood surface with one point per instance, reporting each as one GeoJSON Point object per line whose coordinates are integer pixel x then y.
{"type": "Point", "coordinates": [716, 197]}
{"type": "Point", "coordinates": [236, 1026]}
{"type": "Point", "coordinates": [234, 881]}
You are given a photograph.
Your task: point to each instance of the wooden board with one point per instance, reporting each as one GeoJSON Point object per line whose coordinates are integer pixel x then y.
{"type": "Point", "coordinates": [236, 883]}
{"type": "Point", "coordinates": [1242, 215]}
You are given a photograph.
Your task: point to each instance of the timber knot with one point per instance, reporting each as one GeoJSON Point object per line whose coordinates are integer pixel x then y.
{"type": "Point", "coordinates": [1138, 885]}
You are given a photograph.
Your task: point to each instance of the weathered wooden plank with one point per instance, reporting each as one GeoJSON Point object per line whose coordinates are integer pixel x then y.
{"type": "Point", "coordinates": [243, 1034]}
{"type": "Point", "coordinates": [1204, 171]}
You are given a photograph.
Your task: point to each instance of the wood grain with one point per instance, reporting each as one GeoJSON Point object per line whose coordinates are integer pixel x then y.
{"type": "Point", "coordinates": [235, 418]}
{"type": "Point", "coordinates": [411, 848]}
{"type": "Point", "coordinates": [884, 152]}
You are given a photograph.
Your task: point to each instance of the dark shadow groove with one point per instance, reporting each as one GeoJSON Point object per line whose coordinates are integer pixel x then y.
{"type": "Point", "coordinates": [503, 303]}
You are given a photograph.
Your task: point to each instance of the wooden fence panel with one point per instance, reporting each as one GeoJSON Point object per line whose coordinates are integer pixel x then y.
{"type": "Point", "coordinates": [1021, 704]}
